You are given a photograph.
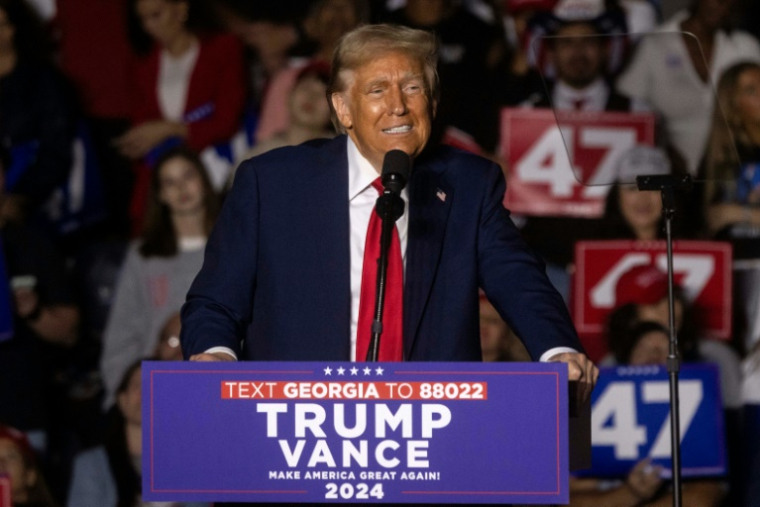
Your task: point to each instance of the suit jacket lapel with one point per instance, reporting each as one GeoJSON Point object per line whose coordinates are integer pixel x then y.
{"type": "Point", "coordinates": [430, 200]}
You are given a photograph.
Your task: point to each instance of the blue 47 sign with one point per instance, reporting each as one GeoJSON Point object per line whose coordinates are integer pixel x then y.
{"type": "Point", "coordinates": [630, 420]}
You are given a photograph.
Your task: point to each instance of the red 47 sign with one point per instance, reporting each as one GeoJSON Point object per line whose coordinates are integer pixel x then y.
{"type": "Point", "coordinates": [540, 148]}
{"type": "Point", "coordinates": [5, 491]}
{"type": "Point", "coordinates": [701, 268]}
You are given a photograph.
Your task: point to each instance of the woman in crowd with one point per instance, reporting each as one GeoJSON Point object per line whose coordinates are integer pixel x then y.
{"type": "Point", "coordinates": [37, 125]}
{"type": "Point", "coordinates": [732, 188]}
{"type": "Point", "coordinates": [160, 267]}
{"type": "Point", "coordinates": [633, 214]}
{"type": "Point", "coordinates": [18, 463]}
{"type": "Point", "coordinates": [189, 87]}
{"type": "Point", "coordinates": [641, 295]}
{"type": "Point", "coordinates": [110, 475]}
{"type": "Point", "coordinates": [308, 111]}
{"type": "Point", "coordinates": [691, 49]}
{"type": "Point", "coordinates": [326, 22]}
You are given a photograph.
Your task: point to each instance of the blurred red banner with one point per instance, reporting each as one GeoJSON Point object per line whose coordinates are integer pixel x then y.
{"type": "Point", "coordinates": [538, 149]}
{"type": "Point", "coordinates": [701, 268]}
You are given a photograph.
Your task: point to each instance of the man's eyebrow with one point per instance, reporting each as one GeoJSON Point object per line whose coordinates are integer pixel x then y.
{"type": "Point", "coordinates": [410, 76]}
{"type": "Point", "coordinates": [406, 78]}
{"type": "Point", "coordinates": [376, 82]}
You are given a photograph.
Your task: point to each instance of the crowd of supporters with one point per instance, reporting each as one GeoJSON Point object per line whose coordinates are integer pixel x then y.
{"type": "Point", "coordinates": [122, 123]}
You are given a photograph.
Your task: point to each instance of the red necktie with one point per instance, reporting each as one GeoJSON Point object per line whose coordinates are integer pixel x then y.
{"type": "Point", "coordinates": [579, 103]}
{"type": "Point", "coordinates": [391, 341]}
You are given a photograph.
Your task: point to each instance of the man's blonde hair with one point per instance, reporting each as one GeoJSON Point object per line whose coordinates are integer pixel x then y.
{"type": "Point", "coordinates": [362, 44]}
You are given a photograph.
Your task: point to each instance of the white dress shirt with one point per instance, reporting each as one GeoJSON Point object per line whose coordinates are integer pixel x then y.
{"type": "Point", "coordinates": [174, 81]}
{"type": "Point", "coordinates": [593, 97]}
{"type": "Point", "coordinates": [361, 200]}
{"type": "Point", "coordinates": [361, 203]}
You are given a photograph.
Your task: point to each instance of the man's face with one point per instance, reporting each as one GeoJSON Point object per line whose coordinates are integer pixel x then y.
{"type": "Point", "coordinates": [163, 20]}
{"type": "Point", "coordinates": [714, 13]}
{"type": "Point", "coordinates": [652, 348]}
{"type": "Point", "coordinates": [578, 55]}
{"type": "Point", "coordinates": [387, 106]}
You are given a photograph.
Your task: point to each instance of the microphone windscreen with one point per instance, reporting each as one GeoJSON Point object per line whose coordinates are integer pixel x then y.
{"type": "Point", "coordinates": [398, 164]}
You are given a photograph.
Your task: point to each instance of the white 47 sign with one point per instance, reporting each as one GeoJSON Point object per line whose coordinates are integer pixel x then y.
{"type": "Point", "coordinates": [563, 166]}
{"type": "Point", "coordinates": [547, 162]}
{"type": "Point", "coordinates": [615, 421]}
{"type": "Point", "coordinates": [631, 420]}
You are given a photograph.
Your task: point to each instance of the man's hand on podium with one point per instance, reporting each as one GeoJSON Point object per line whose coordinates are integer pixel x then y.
{"type": "Point", "coordinates": [580, 369]}
{"type": "Point", "coordinates": [212, 356]}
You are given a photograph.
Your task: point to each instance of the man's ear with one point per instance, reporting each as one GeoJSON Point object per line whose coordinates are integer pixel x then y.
{"type": "Point", "coordinates": [342, 111]}
{"type": "Point", "coordinates": [433, 108]}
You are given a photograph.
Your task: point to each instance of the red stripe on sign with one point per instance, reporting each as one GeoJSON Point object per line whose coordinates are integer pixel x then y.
{"type": "Point", "coordinates": [275, 390]}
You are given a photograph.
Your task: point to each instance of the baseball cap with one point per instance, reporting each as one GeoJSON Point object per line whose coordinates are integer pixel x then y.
{"type": "Point", "coordinates": [642, 161]}
{"type": "Point", "coordinates": [20, 440]}
{"type": "Point", "coordinates": [641, 285]}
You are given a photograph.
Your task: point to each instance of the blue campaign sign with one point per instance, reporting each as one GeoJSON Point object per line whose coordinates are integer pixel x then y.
{"type": "Point", "coordinates": [358, 432]}
{"type": "Point", "coordinates": [630, 420]}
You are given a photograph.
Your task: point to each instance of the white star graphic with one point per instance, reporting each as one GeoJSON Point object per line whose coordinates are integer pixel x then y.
{"type": "Point", "coordinates": [341, 370]}
{"type": "Point", "coordinates": [328, 370]}
{"type": "Point", "coordinates": [367, 371]}
{"type": "Point", "coordinates": [379, 370]}
{"type": "Point", "coordinates": [354, 370]}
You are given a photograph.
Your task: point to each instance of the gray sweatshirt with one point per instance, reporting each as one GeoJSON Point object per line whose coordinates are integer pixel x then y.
{"type": "Point", "coordinates": [149, 292]}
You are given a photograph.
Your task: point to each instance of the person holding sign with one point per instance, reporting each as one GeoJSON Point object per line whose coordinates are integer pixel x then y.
{"type": "Point", "coordinates": [644, 344]}
{"type": "Point", "coordinates": [579, 49]}
{"type": "Point", "coordinates": [282, 275]}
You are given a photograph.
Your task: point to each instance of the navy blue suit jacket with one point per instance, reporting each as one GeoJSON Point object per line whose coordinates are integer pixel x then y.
{"type": "Point", "coordinates": [275, 282]}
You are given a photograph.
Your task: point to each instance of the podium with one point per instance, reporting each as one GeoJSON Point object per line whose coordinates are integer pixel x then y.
{"type": "Point", "coordinates": [310, 432]}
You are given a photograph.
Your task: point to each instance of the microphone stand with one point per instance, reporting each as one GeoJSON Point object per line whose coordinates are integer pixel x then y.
{"type": "Point", "coordinates": [390, 207]}
{"type": "Point", "coordinates": [667, 185]}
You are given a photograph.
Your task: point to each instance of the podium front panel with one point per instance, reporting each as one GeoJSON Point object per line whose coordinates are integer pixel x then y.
{"type": "Point", "coordinates": [355, 432]}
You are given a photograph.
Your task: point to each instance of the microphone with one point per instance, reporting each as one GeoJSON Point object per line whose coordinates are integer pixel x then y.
{"type": "Point", "coordinates": [390, 207]}
{"type": "Point", "coordinates": [396, 168]}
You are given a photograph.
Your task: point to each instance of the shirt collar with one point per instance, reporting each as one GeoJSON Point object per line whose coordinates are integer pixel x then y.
{"type": "Point", "coordinates": [594, 90]}
{"type": "Point", "coordinates": [361, 174]}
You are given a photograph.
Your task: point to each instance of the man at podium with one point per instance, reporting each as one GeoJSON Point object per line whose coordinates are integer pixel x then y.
{"type": "Point", "coordinates": [289, 270]}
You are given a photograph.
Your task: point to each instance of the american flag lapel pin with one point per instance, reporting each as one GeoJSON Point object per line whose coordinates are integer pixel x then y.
{"type": "Point", "coordinates": [441, 195]}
